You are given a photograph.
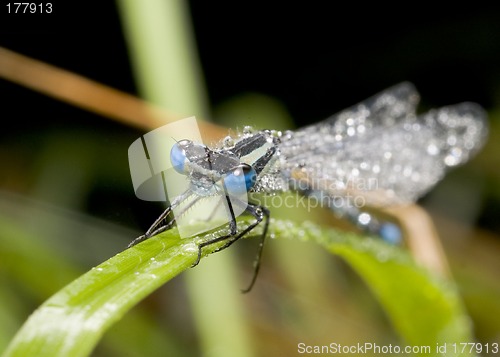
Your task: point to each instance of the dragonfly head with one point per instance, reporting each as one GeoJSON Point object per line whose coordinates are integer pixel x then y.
{"type": "Point", "coordinates": [207, 168]}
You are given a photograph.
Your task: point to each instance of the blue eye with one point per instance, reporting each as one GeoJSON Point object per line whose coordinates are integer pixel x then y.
{"type": "Point", "coordinates": [178, 156]}
{"type": "Point", "coordinates": [241, 180]}
{"type": "Point", "coordinates": [250, 176]}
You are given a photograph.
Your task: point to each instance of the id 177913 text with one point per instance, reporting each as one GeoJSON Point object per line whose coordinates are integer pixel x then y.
{"type": "Point", "coordinates": [29, 8]}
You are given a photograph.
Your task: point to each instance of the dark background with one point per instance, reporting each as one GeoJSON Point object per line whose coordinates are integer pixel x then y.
{"type": "Point", "coordinates": [315, 57]}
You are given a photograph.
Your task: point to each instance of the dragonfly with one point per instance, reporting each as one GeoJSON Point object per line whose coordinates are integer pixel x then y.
{"type": "Point", "coordinates": [377, 153]}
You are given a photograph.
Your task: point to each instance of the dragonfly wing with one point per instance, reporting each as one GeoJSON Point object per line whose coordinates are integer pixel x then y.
{"type": "Point", "coordinates": [380, 150]}
{"type": "Point", "coordinates": [381, 110]}
{"type": "Point", "coordinates": [329, 137]}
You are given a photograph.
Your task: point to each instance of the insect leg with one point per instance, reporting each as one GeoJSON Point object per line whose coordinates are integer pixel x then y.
{"type": "Point", "coordinates": [259, 213]}
{"type": "Point", "coordinates": [158, 226]}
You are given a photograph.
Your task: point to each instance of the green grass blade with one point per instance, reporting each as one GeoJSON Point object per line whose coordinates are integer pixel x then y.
{"type": "Point", "coordinates": [424, 310]}
{"type": "Point", "coordinates": [72, 321]}
{"type": "Point", "coordinates": [164, 56]}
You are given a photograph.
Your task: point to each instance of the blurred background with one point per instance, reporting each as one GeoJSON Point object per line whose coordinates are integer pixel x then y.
{"type": "Point", "coordinates": [67, 201]}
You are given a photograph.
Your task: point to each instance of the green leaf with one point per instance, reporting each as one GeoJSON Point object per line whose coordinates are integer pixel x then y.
{"type": "Point", "coordinates": [72, 321]}
{"type": "Point", "coordinates": [424, 310]}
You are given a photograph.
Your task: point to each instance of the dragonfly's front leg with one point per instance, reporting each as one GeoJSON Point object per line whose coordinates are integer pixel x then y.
{"type": "Point", "coordinates": [161, 225]}
{"type": "Point", "coordinates": [153, 230]}
{"type": "Point", "coordinates": [260, 213]}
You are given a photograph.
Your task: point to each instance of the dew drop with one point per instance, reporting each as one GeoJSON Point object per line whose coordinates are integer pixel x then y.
{"type": "Point", "coordinates": [454, 156]}
{"type": "Point", "coordinates": [228, 142]}
{"type": "Point", "coordinates": [364, 218]}
{"type": "Point", "coordinates": [451, 140]}
{"type": "Point", "coordinates": [189, 248]}
{"type": "Point", "coordinates": [432, 149]}
{"type": "Point", "coordinates": [382, 256]}
{"type": "Point", "coordinates": [247, 130]}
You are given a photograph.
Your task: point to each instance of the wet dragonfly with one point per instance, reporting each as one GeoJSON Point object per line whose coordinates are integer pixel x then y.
{"type": "Point", "coordinates": [379, 150]}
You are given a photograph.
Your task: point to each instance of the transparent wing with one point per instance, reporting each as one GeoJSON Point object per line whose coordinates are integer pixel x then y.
{"type": "Point", "coordinates": [384, 109]}
{"type": "Point", "coordinates": [380, 150]}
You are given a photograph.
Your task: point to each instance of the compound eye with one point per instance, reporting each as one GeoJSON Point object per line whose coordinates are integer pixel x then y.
{"type": "Point", "coordinates": [241, 179]}
{"type": "Point", "coordinates": [178, 156]}
{"type": "Point", "coordinates": [250, 175]}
